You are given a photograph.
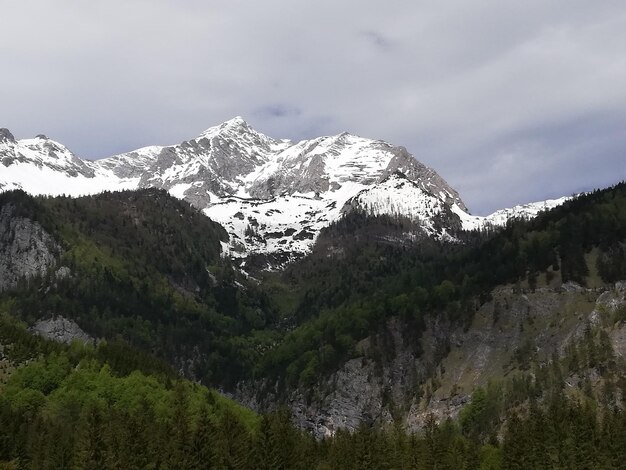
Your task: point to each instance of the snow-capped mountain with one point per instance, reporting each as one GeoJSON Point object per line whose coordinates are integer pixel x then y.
{"type": "Point", "coordinates": [500, 217]}
{"type": "Point", "coordinates": [43, 166]}
{"type": "Point", "coordinates": [272, 196]}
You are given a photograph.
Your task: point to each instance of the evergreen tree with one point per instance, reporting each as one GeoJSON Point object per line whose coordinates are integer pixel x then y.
{"type": "Point", "coordinates": [180, 428]}
{"type": "Point", "coordinates": [234, 450]}
{"type": "Point", "coordinates": [201, 454]}
{"type": "Point", "coordinates": [92, 449]}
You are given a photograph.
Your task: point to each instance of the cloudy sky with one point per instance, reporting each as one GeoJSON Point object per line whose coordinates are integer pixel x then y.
{"type": "Point", "coordinates": [510, 101]}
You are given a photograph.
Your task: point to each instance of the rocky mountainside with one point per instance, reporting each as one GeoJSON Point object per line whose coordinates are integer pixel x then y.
{"type": "Point", "coordinates": [370, 327]}
{"type": "Point", "coordinates": [507, 336]}
{"type": "Point", "coordinates": [26, 249]}
{"type": "Point", "coordinates": [273, 196]}
{"type": "Point", "coordinates": [423, 331]}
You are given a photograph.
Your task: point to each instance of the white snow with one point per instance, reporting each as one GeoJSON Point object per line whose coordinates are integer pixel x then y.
{"type": "Point", "coordinates": [500, 217]}
{"type": "Point", "coordinates": [353, 167]}
{"type": "Point", "coordinates": [178, 190]}
{"type": "Point", "coordinates": [48, 168]}
{"type": "Point", "coordinates": [49, 182]}
{"type": "Point", "coordinates": [400, 197]}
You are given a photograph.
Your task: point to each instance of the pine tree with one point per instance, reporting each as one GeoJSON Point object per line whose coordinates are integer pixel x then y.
{"type": "Point", "coordinates": [180, 428]}
{"type": "Point", "coordinates": [583, 422]}
{"type": "Point", "coordinates": [92, 452]}
{"type": "Point", "coordinates": [536, 431]}
{"type": "Point", "coordinates": [573, 359]}
{"type": "Point", "coordinates": [201, 455]}
{"type": "Point", "coordinates": [605, 351]}
{"type": "Point", "coordinates": [234, 449]}
{"type": "Point", "coordinates": [59, 445]}
{"type": "Point", "coordinates": [590, 347]}
{"type": "Point", "coordinates": [364, 447]}
{"type": "Point", "coordinates": [399, 455]}
{"type": "Point", "coordinates": [431, 444]}
{"type": "Point", "coordinates": [515, 448]}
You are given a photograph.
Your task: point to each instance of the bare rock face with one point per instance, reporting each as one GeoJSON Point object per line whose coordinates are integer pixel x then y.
{"type": "Point", "coordinates": [302, 174]}
{"type": "Point", "coordinates": [427, 178]}
{"type": "Point", "coordinates": [360, 391]}
{"type": "Point", "coordinates": [355, 398]}
{"type": "Point", "coordinates": [61, 330]}
{"type": "Point", "coordinates": [26, 249]}
{"type": "Point", "coordinates": [6, 136]}
{"type": "Point", "coordinates": [213, 163]}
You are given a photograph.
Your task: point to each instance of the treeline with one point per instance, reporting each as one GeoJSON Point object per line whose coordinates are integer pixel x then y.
{"type": "Point", "coordinates": [356, 279]}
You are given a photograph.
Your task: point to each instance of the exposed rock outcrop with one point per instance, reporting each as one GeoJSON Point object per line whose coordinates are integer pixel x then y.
{"type": "Point", "coordinates": [6, 136]}
{"type": "Point", "coordinates": [61, 330]}
{"type": "Point", "coordinates": [26, 249]}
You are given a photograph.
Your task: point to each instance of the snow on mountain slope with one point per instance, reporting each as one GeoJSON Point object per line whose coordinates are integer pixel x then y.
{"type": "Point", "coordinates": [500, 217]}
{"type": "Point", "coordinates": [273, 196]}
{"type": "Point", "coordinates": [43, 166]}
{"type": "Point", "coordinates": [525, 211]}
{"type": "Point", "coordinates": [129, 165]}
{"type": "Point", "coordinates": [287, 224]}
{"type": "Point", "coordinates": [399, 196]}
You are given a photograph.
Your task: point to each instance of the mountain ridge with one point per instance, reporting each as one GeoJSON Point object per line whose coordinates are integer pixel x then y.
{"type": "Point", "coordinates": [272, 196]}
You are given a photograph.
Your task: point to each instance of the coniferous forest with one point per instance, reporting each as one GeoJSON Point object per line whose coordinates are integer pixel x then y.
{"type": "Point", "coordinates": [81, 407]}
{"type": "Point", "coordinates": [173, 318]}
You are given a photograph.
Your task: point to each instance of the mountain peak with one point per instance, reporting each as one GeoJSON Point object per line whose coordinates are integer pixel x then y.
{"type": "Point", "coordinates": [287, 192]}
{"type": "Point", "coordinates": [236, 121]}
{"type": "Point", "coordinates": [5, 135]}
{"type": "Point", "coordinates": [236, 124]}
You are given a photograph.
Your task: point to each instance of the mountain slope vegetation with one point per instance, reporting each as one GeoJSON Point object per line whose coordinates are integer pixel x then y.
{"type": "Point", "coordinates": [143, 271]}
{"type": "Point", "coordinates": [76, 406]}
{"type": "Point", "coordinates": [144, 259]}
{"type": "Point", "coordinates": [367, 270]}
{"type": "Point", "coordinates": [146, 267]}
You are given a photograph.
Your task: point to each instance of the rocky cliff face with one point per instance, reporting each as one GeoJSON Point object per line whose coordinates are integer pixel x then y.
{"type": "Point", "coordinates": [437, 374]}
{"type": "Point", "coordinates": [61, 330]}
{"type": "Point", "coordinates": [26, 249]}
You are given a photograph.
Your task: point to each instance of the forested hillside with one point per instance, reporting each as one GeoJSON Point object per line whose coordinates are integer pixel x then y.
{"type": "Point", "coordinates": [113, 407]}
{"type": "Point", "coordinates": [141, 273]}
{"type": "Point", "coordinates": [365, 271]}
{"type": "Point", "coordinates": [147, 267]}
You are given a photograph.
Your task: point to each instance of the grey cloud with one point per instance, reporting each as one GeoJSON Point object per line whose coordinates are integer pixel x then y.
{"type": "Point", "coordinates": [377, 39]}
{"type": "Point", "coordinates": [509, 101]}
{"type": "Point", "coordinates": [277, 111]}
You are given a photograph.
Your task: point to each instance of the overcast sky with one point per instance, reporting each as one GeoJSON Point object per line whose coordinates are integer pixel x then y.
{"type": "Point", "coordinates": [510, 101]}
